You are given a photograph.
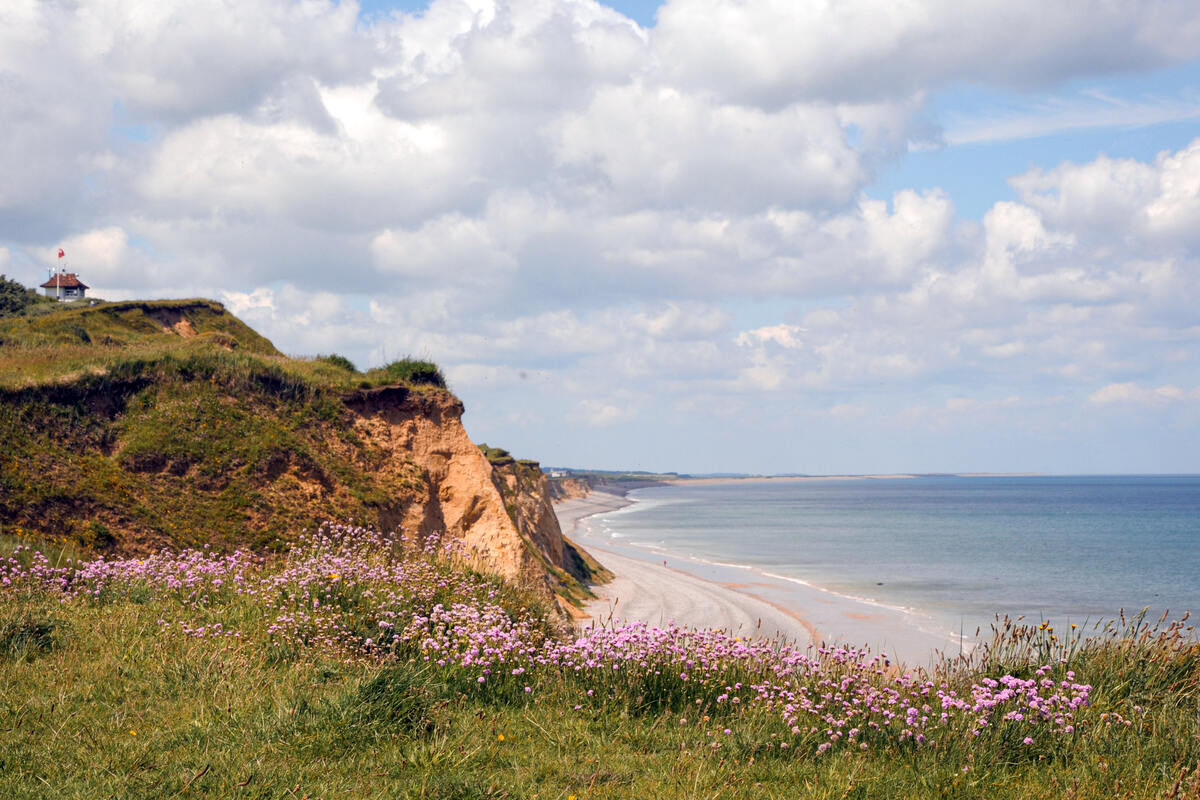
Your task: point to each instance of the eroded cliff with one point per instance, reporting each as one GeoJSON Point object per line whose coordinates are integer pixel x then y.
{"type": "Point", "coordinates": [173, 424]}
{"type": "Point", "coordinates": [502, 513]}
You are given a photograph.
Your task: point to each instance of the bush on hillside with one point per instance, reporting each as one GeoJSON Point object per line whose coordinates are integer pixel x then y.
{"type": "Point", "coordinates": [339, 361]}
{"type": "Point", "coordinates": [412, 371]}
{"type": "Point", "coordinates": [15, 298]}
{"type": "Point", "coordinates": [497, 456]}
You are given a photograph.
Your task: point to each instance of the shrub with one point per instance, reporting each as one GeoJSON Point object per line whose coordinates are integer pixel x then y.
{"type": "Point", "coordinates": [412, 371]}
{"type": "Point", "coordinates": [497, 456]}
{"type": "Point", "coordinates": [339, 361]}
{"type": "Point", "coordinates": [15, 298]}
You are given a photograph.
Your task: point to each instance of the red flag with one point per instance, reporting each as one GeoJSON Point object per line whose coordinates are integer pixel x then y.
{"type": "Point", "coordinates": [61, 253]}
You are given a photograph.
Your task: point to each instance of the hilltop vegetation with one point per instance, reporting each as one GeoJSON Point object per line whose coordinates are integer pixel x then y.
{"type": "Point", "coordinates": [132, 425]}
{"type": "Point", "coordinates": [16, 300]}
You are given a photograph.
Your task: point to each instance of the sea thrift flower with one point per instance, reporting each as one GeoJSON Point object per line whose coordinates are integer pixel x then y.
{"type": "Point", "coordinates": [340, 582]}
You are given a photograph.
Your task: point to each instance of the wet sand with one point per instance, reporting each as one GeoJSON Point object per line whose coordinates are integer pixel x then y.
{"type": "Point", "coordinates": [658, 587]}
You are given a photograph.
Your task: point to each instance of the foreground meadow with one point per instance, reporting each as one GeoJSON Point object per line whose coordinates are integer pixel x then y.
{"type": "Point", "coordinates": [367, 665]}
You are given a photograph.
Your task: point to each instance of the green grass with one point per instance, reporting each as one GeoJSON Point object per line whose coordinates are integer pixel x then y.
{"type": "Point", "coordinates": [497, 456]}
{"type": "Point", "coordinates": [413, 371]}
{"type": "Point", "coordinates": [54, 343]}
{"type": "Point", "coordinates": [180, 448]}
{"type": "Point", "coordinates": [99, 699]}
{"type": "Point", "coordinates": [16, 300]}
{"type": "Point", "coordinates": [121, 430]}
{"type": "Point", "coordinates": [116, 709]}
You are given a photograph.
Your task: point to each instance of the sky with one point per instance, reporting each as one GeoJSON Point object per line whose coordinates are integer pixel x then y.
{"type": "Point", "coordinates": [764, 236]}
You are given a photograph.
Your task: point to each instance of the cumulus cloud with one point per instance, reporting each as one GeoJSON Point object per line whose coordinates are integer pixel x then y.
{"type": "Point", "coordinates": [872, 48]}
{"type": "Point", "coordinates": [667, 224]}
{"type": "Point", "coordinates": [787, 336]}
{"type": "Point", "coordinates": [1158, 203]}
{"type": "Point", "coordinates": [659, 147]}
{"type": "Point", "coordinates": [1132, 393]}
{"type": "Point", "coordinates": [602, 414]}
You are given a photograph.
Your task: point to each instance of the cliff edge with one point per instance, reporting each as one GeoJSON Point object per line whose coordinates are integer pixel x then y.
{"type": "Point", "coordinates": [132, 426]}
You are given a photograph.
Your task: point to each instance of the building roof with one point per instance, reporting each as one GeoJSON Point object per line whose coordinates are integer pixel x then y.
{"type": "Point", "coordinates": [64, 281]}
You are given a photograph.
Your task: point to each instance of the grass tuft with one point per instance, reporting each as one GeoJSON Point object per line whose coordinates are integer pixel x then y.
{"type": "Point", "coordinates": [27, 636]}
{"type": "Point", "coordinates": [413, 371]}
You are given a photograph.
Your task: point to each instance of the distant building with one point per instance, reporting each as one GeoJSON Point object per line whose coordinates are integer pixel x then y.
{"type": "Point", "coordinates": [65, 286]}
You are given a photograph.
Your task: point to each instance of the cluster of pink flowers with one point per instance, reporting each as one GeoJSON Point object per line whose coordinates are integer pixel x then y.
{"type": "Point", "coordinates": [364, 594]}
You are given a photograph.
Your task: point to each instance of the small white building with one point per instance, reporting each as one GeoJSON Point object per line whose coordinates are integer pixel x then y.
{"type": "Point", "coordinates": [65, 286]}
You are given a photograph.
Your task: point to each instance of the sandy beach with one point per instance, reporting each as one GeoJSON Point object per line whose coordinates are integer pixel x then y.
{"type": "Point", "coordinates": [656, 587]}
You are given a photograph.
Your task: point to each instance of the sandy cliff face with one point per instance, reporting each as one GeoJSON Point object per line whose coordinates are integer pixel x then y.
{"type": "Point", "coordinates": [503, 515]}
{"type": "Point", "coordinates": [527, 497]}
{"type": "Point", "coordinates": [571, 488]}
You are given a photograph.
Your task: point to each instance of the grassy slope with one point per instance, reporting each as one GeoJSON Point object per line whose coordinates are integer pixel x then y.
{"type": "Point", "coordinates": [108, 701]}
{"type": "Point", "coordinates": [121, 431]}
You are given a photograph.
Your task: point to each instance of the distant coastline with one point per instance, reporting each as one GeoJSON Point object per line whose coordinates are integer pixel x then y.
{"type": "Point", "coordinates": [702, 480]}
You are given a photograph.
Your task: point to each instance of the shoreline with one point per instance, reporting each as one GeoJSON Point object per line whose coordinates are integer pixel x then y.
{"type": "Point", "coordinates": [784, 479]}
{"type": "Point", "coordinates": [714, 481]}
{"type": "Point", "coordinates": [657, 586]}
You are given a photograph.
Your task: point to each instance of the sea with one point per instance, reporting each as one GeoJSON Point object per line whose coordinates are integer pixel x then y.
{"type": "Point", "coordinates": [955, 550]}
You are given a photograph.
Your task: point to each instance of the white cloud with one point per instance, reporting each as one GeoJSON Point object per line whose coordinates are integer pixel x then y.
{"type": "Point", "coordinates": [905, 240]}
{"type": "Point", "coordinates": [245, 303]}
{"type": "Point", "coordinates": [787, 336]}
{"type": "Point", "coordinates": [1157, 202]}
{"type": "Point", "coordinates": [544, 188]}
{"type": "Point", "coordinates": [663, 148]}
{"type": "Point", "coordinates": [446, 250]}
{"type": "Point", "coordinates": [783, 49]}
{"type": "Point", "coordinates": [103, 250]}
{"type": "Point", "coordinates": [1133, 394]}
{"type": "Point", "coordinates": [150, 51]}
{"type": "Point", "coordinates": [601, 413]}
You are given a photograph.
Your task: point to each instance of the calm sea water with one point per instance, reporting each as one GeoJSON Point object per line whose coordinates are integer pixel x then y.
{"type": "Point", "coordinates": [1064, 549]}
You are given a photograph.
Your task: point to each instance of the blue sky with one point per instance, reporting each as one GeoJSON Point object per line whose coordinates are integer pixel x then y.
{"type": "Point", "coordinates": [711, 235]}
{"type": "Point", "coordinates": [976, 173]}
